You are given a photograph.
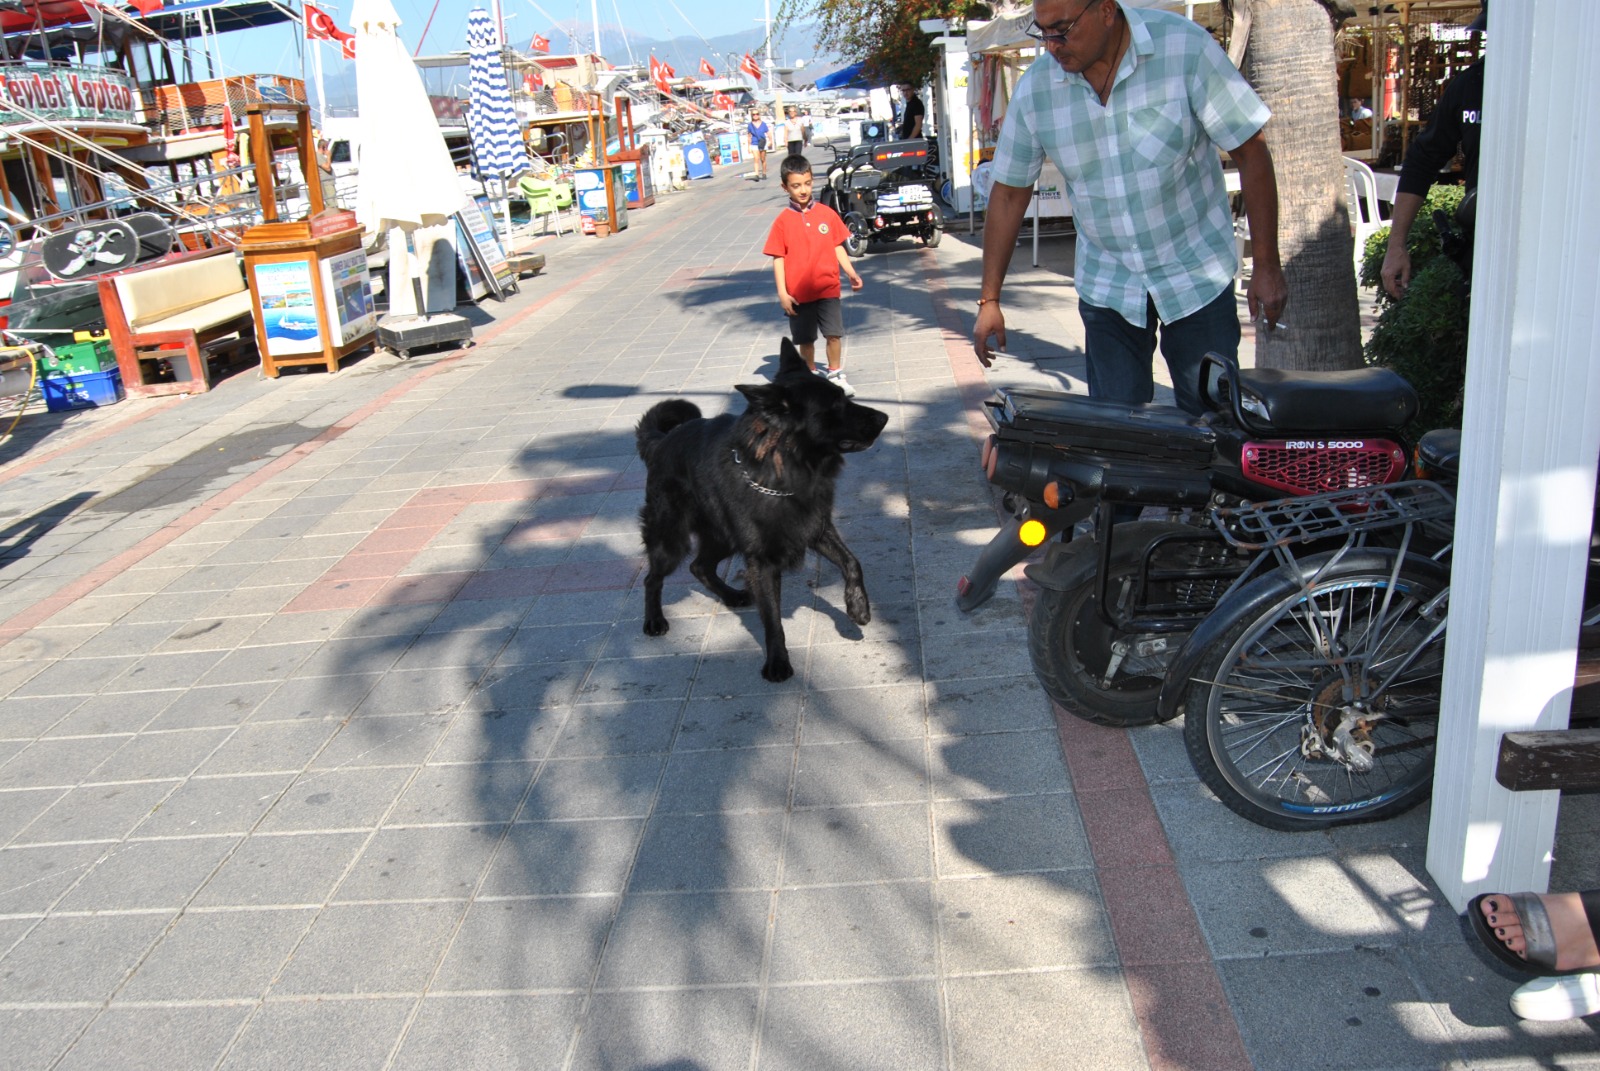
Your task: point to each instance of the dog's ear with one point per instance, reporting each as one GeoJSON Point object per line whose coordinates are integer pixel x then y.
{"type": "Point", "coordinates": [763, 397]}
{"type": "Point", "coordinates": [789, 359]}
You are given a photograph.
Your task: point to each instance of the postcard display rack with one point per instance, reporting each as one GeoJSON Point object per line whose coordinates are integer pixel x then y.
{"type": "Point", "coordinates": [309, 287]}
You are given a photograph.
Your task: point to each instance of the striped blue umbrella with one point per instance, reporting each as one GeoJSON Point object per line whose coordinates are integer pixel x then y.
{"type": "Point", "coordinates": [492, 121]}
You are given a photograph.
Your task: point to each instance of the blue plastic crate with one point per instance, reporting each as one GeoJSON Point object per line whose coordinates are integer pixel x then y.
{"type": "Point", "coordinates": [88, 391]}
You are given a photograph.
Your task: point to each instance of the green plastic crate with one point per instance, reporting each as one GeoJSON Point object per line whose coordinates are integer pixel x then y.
{"type": "Point", "coordinates": [79, 358]}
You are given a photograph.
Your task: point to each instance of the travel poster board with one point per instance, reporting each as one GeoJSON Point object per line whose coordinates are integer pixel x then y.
{"type": "Point", "coordinates": [478, 241]}
{"type": "Point", "coordinates": [347, 288]}
{"type": "Point", "coordinates": [288, 308]}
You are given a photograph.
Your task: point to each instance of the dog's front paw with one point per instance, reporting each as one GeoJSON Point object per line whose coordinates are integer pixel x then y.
{"type": "Point", "coordinates": [736, 599]}
{"type": "Point", "coordinates": [856, 605]}
{"type": "Point", "coordinates": [777, 668]}
{"type": "Point", "coordinates": [656, 626]}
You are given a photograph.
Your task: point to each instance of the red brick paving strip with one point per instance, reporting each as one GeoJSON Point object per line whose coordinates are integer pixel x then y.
{"type": "Point", "coordinates": [1184, 1017]}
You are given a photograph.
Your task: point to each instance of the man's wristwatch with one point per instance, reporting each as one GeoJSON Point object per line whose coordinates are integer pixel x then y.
{"type": "Point", "coordinates": [988, 301]}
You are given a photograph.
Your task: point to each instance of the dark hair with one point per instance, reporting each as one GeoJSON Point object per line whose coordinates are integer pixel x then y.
{"type": "Point", "coordinates": [793, 165]}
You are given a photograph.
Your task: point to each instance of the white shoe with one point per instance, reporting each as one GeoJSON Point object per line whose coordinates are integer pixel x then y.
{"type": "Point", "coordinates": [1565, 996]}
{"type": "Point", "coordinates": [836, 377]}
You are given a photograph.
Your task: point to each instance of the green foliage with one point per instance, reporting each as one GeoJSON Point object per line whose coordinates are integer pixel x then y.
{"type": "Point", "coordinates": [882, 34]}
{"type": "Point", "coordinates": [1423, 336]}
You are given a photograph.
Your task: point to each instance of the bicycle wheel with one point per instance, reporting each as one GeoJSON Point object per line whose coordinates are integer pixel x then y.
{"type": "Point", "coordinates": [1318, 705]}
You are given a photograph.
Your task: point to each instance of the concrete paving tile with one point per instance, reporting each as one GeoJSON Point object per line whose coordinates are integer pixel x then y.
{"type": "Point", "coordinates": [464, 793]}
{"type": "Point", "coordinates": [93, 609]}
{"type": "Point", "coordinates": [178, 607]}
{"type": "Point", "coordinates": [513, 1033]}
{"type": "Point", "coordinates": [854, 932]}
{"type": "Point", "coordinates": [35, 1037]}
{"type": "Point", "coordinates": [403, 739]}
{"type": "Point", "coordinates": [1369, 1013]}
{"type": "Point", "coordinates": [97, 812]}
{"type": "Point", "coordinates": [311, 625]}
{"type": "Point", "coordinates": [209, 577]}
{"type": "Point", "coordinates": [147, 875]}
{"type": "Point", "coordinates": [1014, 1020]}
{"type": "Point", "coordinates": [529, 687]}
{"type": "Point", "coordinates": [734, 781]}
{"type": "Point", "coordinates": [998, 764]}
{"type": "Point", "coordinates": [19, 807]}
{"type": "Point", "coordinates": [1022, 922]}
{"type": "Point", "coordinates": [1161, 753]}
{"type": "Point", "coordinates": [47, 642]}
{"type": "Point", "coordinates": [257, 596]}
{"type": "Point", "coordinates": [550, 943]}
{"type": "Point", "coordinates": [665, 677]}
{"type": "Point", "coordinates": [212, 706]}
{"type": "Point", "coordinates": [156, 1038]}
{"type": "Point", "coordinates": [77, 958]}
{"type": "Point", "coordinates": [24, 718]}
{"type": "Point", "coordinates": [615, 786]}
{"type": "Point", "coordinates": [351, 950]}
{"type": "Point", "coordinates": [740, 721]}
{"type": "Point", "coordinates": [76, 676]}
{"type": "Point", "coordinates": [1201, 829]}
{"type": "Point", "coordinates": [595, 729]}
{"type": "Point", "coordinates": [36, 876]}
{"type": "Point", "coordinates": [337, 799]}
{"type": "Point", "coordinates": [1009, 836]}
{"type": "Point", "coordinates": [302, 570]}
{"type": "Point", "coordinates": [389, 621]}
{"type": "Point", "coordinates": [248, 665]}
{"type": "Point", "coordinates": [475, 649]}
{"type": "Point", "coordinates": [838, 775]}
{"type": "Point", "coordinates": [858, 665]}
{"type": "Point", "coordinates": [217, 633]}
{"type": "Point", "coordinates": [865, 715]}
{"type": "Point", "coordinates": [550, 643]}
{"type": "Point", "coordinates": [681, 853]}
{"type": "Point", "coordinates": [124, 640]}
{"type": "Point", "coordinates": [270, 747]}
{"type": "Point", "coordinates": [181, 669]}
{"type": "Point", "coordinates": [330, 698]}
{"type": "Point", "coordinates": [1001, 653]}
{"type": "Point", "coordinates": [423, 862]}
{"type": "Point", "coordinates": [997, 704]}
{"type": "Point", "coordinates": [562, 858]}
{"type": "Point", "coordinates": [577, 608]}
{"type": "Point", "coordinates": [348, 1034]}
{"type": "Point", "coordinates": [1472, 1002]}
{"type": "Point", "coordinates": [705, 1029]}
{"type": "Point", "coordinates": [215, 805]}
{"type": "Point", "coordinates": [848, 844]}
{"type": "Point", "coordinates": [683, 940]}
{"type": "Point", "coordinates": [57, 762]}
{"type": "Point", "coordinates": [218, 955]}
{"type": "Point", "coordinates": [419, 692]}
{"type": "Point", "coordinates": [268, 870]}
{"type": "Point", "coordinates": [499, 736]}
{"type": "Point", "coordinates": [892, 1026]}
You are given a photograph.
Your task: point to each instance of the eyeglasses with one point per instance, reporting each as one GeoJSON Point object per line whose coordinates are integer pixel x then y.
{"type": "Point", "coordinates": [1056, 37]}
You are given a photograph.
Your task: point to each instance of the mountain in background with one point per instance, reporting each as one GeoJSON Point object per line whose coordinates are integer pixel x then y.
{"type": "Point", "coordinates": [683, 54]}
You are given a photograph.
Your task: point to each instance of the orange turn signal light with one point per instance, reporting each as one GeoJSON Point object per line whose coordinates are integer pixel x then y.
{"type": "Point", "coordinates": [1032, 533]}
{"type": "Point", "coordinates": [1051, 495]}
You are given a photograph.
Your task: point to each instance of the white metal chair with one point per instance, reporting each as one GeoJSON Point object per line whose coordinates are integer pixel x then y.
{"type": "Point", "coordinates": [1361, 189]}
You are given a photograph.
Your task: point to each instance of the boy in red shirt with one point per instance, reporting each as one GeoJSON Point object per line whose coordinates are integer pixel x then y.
{"type": "Point", "coordinates": [807, 246]}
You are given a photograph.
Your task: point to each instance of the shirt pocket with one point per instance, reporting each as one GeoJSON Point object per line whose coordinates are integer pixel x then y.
{"type": "Point", "coordinates": [1159, 135]}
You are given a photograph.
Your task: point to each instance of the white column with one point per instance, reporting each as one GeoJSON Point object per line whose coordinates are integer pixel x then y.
{"type": "Point", "coordinates": [1531, 433]}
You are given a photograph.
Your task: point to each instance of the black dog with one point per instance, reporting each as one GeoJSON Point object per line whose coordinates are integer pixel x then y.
{"type": "Point", "coordinates": [760, 485]}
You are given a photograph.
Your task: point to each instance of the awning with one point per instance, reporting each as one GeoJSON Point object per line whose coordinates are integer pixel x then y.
{"type": "Point", "coordinates": [850, 77]}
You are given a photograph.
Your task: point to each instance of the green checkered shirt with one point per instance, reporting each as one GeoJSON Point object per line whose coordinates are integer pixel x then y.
{"type": "Point", "coordinates": [1143, 173]}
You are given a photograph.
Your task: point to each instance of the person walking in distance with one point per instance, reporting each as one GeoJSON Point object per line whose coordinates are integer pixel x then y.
{"type": "Point", "coordinates": [806, 244]}
{"type": "Point", "coordinates": [1132, 106]}
{"type": "Point", "coordinates": [758, 132]}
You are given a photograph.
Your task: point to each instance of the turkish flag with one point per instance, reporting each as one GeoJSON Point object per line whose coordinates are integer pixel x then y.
{"type": "Point", "coordinates": [320, 25]}
{"type": "Point", "coordinates": [750, 67]}
{"type": "Point", "coordinates": [533, 81]}
{"type": "Point", "coordinates": [659, 76]}
{"type": "Point", "coordinates": [667, 69]}
{"type": "Point", "coordinates": [147, 7]}
{"type": "Point", "coordinates": [722, 102]}
{"type": "Point", "coordinates": [347, 45]}
{"type": "Point", "coordinates": [707, 70]}
{"type": "Point", "coordinates": [541, 43]}
{"type": "Point", "coordinates": [228, 130]}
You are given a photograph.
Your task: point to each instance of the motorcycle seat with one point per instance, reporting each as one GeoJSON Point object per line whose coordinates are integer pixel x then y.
{"type": "Point", "coordinates": [1362, 399]}
{"type": "Point", "coordinates": [1439, 451]}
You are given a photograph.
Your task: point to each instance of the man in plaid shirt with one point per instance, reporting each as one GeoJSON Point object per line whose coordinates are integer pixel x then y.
{"type": "Point", "coordinates": [1131, 105]}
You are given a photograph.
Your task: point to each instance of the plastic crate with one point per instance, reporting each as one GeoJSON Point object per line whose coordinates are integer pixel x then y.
{"type": "Point", "coordinates": [79, 358]}
{"type": "Point", "coordinates": [89, 391]}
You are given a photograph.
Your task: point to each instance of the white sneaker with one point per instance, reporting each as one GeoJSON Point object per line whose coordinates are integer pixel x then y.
{"type": "Point", "coordinates": [836, 377]}
{"type": "Point", "coordinates": [1565, 996]}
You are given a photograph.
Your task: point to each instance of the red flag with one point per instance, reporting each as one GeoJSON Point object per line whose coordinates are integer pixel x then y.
{"type": "Point", "coordinates": [147, 7]}
{"type": "Point", "coordinates": [721, 102]}
{"type": "Point", "coordinates": [320, 25]}
{"type": "Point", "coordinates": [667, 69]}
{"type": "Point", "coordinates": [659, 76]}
{"type": "Point", "coordinates": [750, 67]}
{"type": "Point", "coordinates": [541, 43]}
{"type": "Point", "coordinates": [706, 69]}
{"type": "Point", "coordinates": [228, 131]}
{"type": "Point", "coordinates": [347, 45]}
{"type": "Point", "coordinates": [533, 81]}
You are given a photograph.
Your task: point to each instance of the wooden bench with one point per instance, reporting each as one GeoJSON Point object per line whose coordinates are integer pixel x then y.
{"type": "Point", "coordinates": [183, 311]}
{"type": "Point", "coordinates": [1566, 759]}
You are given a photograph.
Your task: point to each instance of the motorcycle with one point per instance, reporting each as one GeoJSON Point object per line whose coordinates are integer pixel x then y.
{"type": "Point", "coordinates": [1116, 602]}
{"type": "Point", "coordinates": [881, 192]}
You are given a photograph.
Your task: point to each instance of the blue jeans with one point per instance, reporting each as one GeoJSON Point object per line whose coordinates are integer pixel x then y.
{"type": "Point", "coordinates": [1119, 354]}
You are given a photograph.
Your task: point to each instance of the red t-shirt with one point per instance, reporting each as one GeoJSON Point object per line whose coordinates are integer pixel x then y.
{"type": "Point", "coordinates": [806, 241]}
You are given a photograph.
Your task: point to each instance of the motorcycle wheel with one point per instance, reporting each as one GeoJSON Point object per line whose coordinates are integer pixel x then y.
{"type": "Point", "coordinates": [856, 244]}
{"type": "Point", "coordinates": [931, 237]}
{"type": "Point", "coordinates": [1072, 646]}
{"type": "Point", "coordinates": [1264, 703]}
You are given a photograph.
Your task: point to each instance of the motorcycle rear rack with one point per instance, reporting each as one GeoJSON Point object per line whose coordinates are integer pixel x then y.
{"type": "Point", "coordinates": [1264, 526]}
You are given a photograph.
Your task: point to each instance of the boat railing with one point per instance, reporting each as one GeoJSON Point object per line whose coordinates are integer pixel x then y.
{"type": "Point", "coordinates": [189, 106]}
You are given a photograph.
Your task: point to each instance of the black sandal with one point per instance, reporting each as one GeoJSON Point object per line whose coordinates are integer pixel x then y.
{"type": "Point", "coordinates": [1538, 937]}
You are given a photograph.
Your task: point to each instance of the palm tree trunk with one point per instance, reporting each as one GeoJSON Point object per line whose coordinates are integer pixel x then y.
{"type": "Point", "coordinates": [1291, 64]}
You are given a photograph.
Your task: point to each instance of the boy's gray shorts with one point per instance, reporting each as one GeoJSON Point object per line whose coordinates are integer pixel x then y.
{"type": "Point", "coordinates": [811, 318]}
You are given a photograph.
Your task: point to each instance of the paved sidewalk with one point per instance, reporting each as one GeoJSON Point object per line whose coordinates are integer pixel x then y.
{"type": "Point", "coordinates": [329, 738]}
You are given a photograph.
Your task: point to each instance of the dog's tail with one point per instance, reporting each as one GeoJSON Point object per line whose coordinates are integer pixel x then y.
{"type": "Point", "coordinates": [660, 419]}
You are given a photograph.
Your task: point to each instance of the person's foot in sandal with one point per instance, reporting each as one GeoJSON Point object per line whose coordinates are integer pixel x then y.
{"type": "Point", "coordinates": [1549, 934]}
